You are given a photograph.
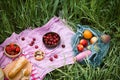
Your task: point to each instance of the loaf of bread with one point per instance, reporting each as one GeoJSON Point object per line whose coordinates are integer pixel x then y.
{"type": "Point", "coordinates": [20, 63]}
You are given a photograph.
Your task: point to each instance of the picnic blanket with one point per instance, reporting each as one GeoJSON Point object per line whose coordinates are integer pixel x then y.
{"type": "Point", "coordinates": [41, 68]}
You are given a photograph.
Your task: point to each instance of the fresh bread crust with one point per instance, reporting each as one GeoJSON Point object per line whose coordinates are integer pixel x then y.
{"type": "Point", "coordinates": [20, 63]}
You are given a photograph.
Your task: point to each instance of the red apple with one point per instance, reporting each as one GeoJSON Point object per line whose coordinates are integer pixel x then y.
{"type": "Point", "coordinates": [80, 47]}
{"type": "Point", "coordinates": [84, 42]}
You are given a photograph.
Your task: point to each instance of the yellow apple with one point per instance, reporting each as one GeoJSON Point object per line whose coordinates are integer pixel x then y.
{"type": "Point", "coordinates": [93, 40]}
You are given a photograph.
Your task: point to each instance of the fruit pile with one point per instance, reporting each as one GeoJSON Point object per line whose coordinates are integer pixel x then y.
{"type": "Point", "coordinates": [51, 39]}
{"type": "Point", "coordinates": [12, 49]}
{"type": "Point", "coordinates": [89, 38]}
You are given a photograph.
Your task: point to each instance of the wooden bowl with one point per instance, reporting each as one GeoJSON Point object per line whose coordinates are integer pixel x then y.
{"type": "Point", "coordinates": [51, 39]}
{"type": "Point", "coordinates": [12, 50]}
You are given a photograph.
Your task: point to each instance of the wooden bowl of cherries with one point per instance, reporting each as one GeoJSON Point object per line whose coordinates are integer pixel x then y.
{"type": "Point", "coordinates": [51, 39]}
{"type": "Point", "coordinates": [12, 50]}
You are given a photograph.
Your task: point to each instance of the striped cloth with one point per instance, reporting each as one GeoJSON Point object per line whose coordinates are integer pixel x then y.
{"type": "Point", "coordinates": [41, 68]}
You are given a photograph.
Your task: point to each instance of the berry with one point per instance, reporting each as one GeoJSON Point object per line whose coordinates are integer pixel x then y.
{"type": "Point", "coordinates": [55, 56]}
{"type": "Point", "coordinates": [51, 59]}
{"type": "Point", "coordinates": [36, 46]}
{"type": "Point", "coordinates": [31, 44]}
{"type": "Point", "coordinates": [63, 46]}
{"type": "Point", "coordinates": [34, 39]}
{"type": "Point", "coordinates": [22, 38]}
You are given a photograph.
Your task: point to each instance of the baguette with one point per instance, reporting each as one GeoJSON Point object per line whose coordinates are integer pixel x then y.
{"type": "Point", "coordinates": [20, 63]}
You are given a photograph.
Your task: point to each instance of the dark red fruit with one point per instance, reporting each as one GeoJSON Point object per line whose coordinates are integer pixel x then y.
{"type": "Point", "coordinates": [36, 46]}
{"type": "Point", "coordinates": [32, 43]}
{"type": "Point", "coordinates": [22, 38]}
{"type": "Point", "coordinates": [34, 39]}
{"type": "Point", "coordinates": [55, 56]}
{"type": "Point", "coordinates": [63, 46]}
{"type": "Point", "coordinates": [51, 59]}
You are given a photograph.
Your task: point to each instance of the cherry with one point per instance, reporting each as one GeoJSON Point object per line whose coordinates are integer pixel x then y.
{"type": "Point", "coordinates": [31, 44]}
{"type": "Point", "coordinates": [36, 46]}
{"type": "Point", "coordinates": [34, 39]}
{"type": "Point", "coordinates": [51, 59]}
{"type": "Point", "coordinates": [22, 38]}
{"type": "Point", "coordinates": [55, 56]}
{"type": "Point", "coordinates": [63, 46]}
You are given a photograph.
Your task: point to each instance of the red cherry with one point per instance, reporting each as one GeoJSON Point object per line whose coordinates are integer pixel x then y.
{"type": "Point", "coordinates": [36, 46]}
{"type": "Point", "coordinates": [80, 47]}
{"type": "Point", "coordinates": [63, 46]}
{"type": "Point", "coordinates": [51, 59]}
{"type": "Point", "coordinates": [31, 44]}
{"type": "Point", "coordinates": [55, 56]}
{"type": "Point", "coordinates": [47, 37]}
{"type": "Point", "coordinates": [84, 42]}
{"type": "Point", "coordinates": [22, 38]}
{"type": "Point", "coordinates": [34, 39]}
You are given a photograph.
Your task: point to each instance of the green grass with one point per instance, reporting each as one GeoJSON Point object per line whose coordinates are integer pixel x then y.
{"type": "Point", "coordinates": [103, 15]}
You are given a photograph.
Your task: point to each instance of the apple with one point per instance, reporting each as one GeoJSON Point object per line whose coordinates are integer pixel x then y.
{"type": "Point", "coordinates": [93, 40]}
{"type": "Point", "coordinates": [105, 38]}
{"type": "Point", "coordinates": [80, 47]}
{"type": "Point", "coordinates": [84, 42]}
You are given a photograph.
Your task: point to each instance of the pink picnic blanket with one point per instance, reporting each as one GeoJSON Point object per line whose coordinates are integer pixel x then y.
{"type": "Point", "coordinates": [41, 68]}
